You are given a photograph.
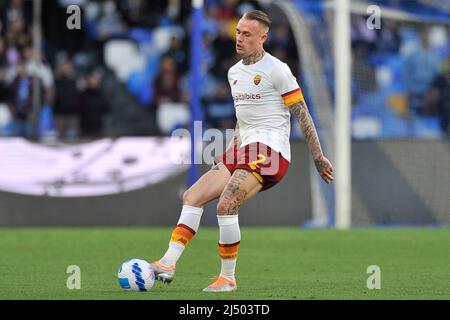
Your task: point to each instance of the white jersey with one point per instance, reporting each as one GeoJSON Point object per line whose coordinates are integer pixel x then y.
{"type": "Point", "coordinates": [261, 92]}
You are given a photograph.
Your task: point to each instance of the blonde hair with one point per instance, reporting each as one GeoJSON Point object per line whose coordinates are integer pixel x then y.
{"type": "Point", "coordinates": [259, 16]}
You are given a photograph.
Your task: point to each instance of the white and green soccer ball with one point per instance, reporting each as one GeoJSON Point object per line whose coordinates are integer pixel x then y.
{"type": "Point", "coordinates": [136, 275]}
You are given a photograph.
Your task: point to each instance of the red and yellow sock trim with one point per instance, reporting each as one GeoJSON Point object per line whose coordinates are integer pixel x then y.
{"type": "Point", "coordinates": [292, 97]}
{"type": "Point", "coordinates": [229, 251]}
{"type": "Point", "coordinates": [182, 234]}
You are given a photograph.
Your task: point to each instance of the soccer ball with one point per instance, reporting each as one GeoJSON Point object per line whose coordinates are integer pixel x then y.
{"type": "Point", "coordinates": [136, 275]}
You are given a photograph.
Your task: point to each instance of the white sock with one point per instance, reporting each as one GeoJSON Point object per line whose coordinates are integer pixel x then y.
{"type": "Point", "coordinates": [190, 218]}
{"type": "Point", "coordinates": [230, 234]}
{"type": "Point", "coordinates": [228, 269]}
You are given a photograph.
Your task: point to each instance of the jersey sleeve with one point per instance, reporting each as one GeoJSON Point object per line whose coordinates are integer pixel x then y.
{"type": "Point", "coordinates": [286, 85]}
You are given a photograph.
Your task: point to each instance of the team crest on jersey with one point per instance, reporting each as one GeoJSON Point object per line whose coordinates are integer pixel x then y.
{"type": "Point", "coordinates": [234, 82]}
{"type": "Point", "coordinates": [257, 79]}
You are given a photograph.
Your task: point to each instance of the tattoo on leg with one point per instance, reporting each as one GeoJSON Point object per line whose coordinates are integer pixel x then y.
{"type": "Point", "coordinates": [233, 195]}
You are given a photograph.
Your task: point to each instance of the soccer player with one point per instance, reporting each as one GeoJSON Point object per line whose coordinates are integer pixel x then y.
{"type": "Point", "coordinates": [258, 156]}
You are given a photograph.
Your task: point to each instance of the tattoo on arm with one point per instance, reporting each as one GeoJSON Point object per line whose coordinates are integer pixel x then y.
{"type": "Point", "coordinates": [309, 130]}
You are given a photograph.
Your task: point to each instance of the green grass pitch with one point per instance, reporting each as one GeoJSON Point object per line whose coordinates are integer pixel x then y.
{"type": "Point", "coordinates": [274, 263]}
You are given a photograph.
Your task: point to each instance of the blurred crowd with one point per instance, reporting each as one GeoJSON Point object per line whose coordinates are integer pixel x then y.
{"type": "Point", "coordinates": [61, 85]}
{"type": "Point", "coordinates": [411, 60]}
{"type": "Point", "coordinates": [45, 78]}
{"type": "Point", "coordinates": [68, 68]}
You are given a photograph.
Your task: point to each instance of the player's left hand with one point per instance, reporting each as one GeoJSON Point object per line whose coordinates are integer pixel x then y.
{"type": "Point", "coordinates": [325, 168]}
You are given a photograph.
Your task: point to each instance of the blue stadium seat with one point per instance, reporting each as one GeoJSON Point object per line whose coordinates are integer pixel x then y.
{"type": "Point", "coordinates": [46, 123]}
{"type": "Point", "coordinates": [428, 127]}
{"type": "Point", "coordinates": [153, 64]}
{"type": "Point", "coordinates": [140, 83]}
{"type": "Point", "coordinates": [140, 35]}
{"type": "Point", "coordinates": [395, 64]}
{"type": "Point", "coordinates": [165, 21]}
{"type": "Point", "coordinates": [395, 126]}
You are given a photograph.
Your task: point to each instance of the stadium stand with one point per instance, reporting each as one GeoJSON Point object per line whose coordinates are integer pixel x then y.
{"type": "Point", "coordinates": [136, 45]}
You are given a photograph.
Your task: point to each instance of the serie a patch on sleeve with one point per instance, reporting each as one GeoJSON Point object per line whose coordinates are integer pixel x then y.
{"type": "Point", "coordinates": [292, 97]}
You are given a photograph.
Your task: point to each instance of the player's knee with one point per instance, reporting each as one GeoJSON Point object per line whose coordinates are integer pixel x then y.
{"type": "Point", "coordinates": [224, 207]}
{"type": "Point", "coordinates": [189, 199]}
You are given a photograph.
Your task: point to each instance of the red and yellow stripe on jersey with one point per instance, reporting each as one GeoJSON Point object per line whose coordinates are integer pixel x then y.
{"type": "Point", "coordinates": [228, 251]}
{"type": "Point", "coordinates": [182, 234]}
{"type": "Point", "coordinates": [292, 97]}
